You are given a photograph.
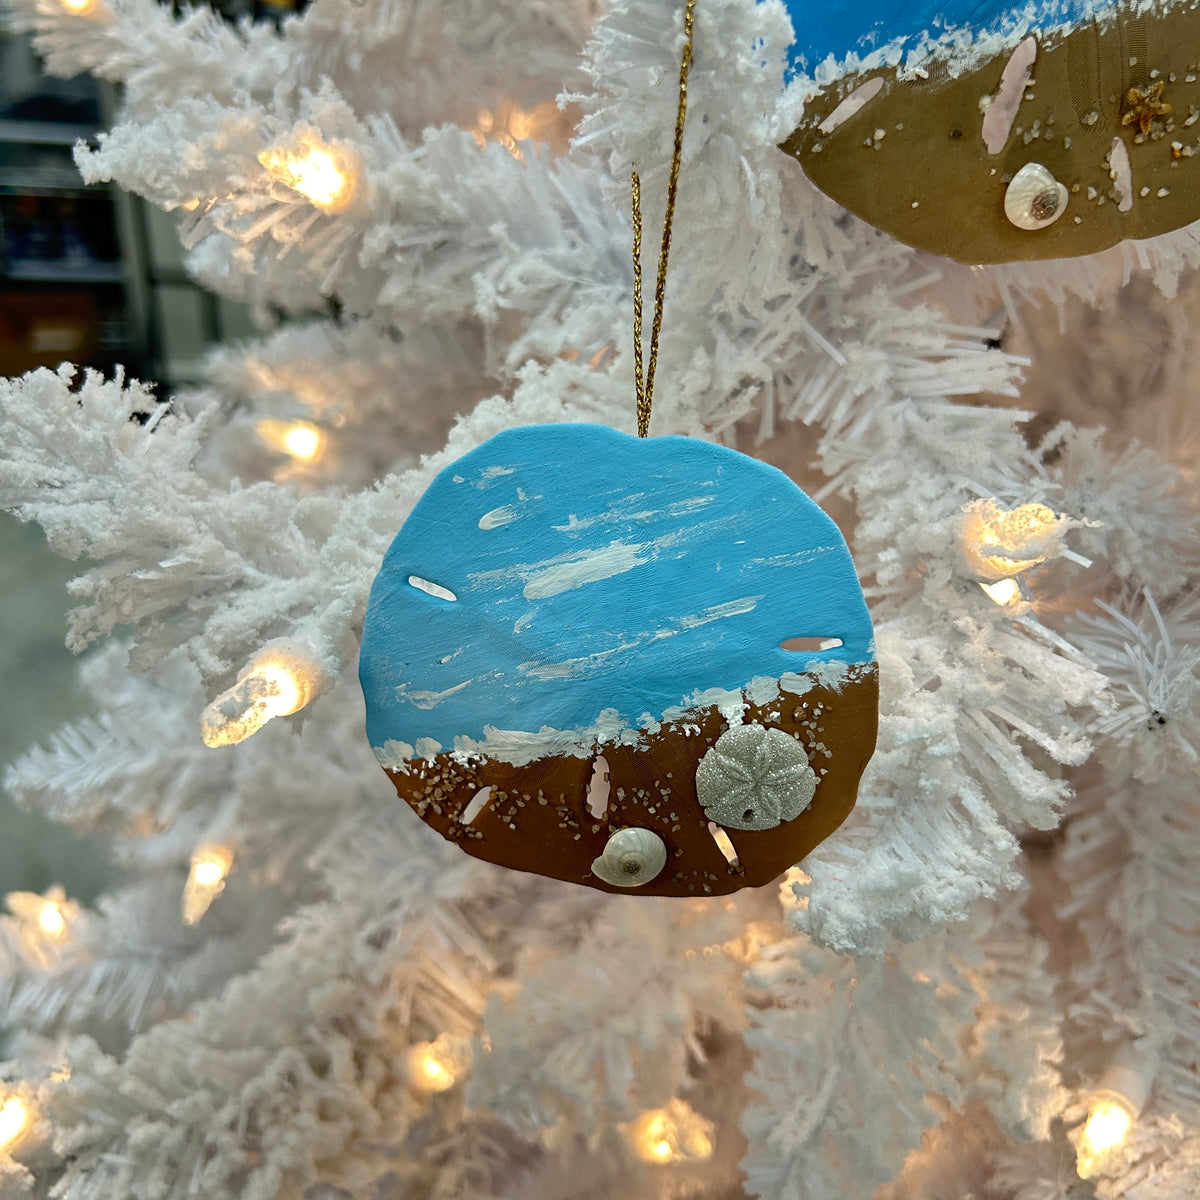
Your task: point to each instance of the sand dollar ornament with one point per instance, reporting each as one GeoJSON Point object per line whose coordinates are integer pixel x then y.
{"type": "Point", "coordinates": [587, 655]}
{"type": "Point", "coordinates": [754, 778]}
{"type": "Point", "coordinates": [1003, 132]}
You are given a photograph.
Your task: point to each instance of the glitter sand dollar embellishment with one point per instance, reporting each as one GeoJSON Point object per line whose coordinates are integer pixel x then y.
{"type": "Point", "coordinates": [921, 117]}
{"type": "Point", "coordinates": [754, 778]}
{"type": "Point", "coordinates": [572, 618]}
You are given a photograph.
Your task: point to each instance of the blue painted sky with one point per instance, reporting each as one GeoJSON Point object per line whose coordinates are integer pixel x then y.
{"type": "Point", "coordinates": [837, 27]}
{"type": "Point", "coordinates": [594, 570]}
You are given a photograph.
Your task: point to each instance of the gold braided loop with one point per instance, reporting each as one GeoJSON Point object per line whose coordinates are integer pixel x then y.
{"type": "Point", "coordinates": [645, 387]}
{"type": "Point", "coordinates": [643, 420]}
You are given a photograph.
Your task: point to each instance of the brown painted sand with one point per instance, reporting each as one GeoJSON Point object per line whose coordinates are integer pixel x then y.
{"type": "Point", "coordinates": [537, 817]}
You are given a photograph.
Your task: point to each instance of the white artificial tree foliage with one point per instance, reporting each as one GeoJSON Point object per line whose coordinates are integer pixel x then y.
{"type": "Point", "coordinates": [923, 1006]}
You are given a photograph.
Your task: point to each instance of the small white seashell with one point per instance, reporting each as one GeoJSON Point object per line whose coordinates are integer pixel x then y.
{"type": "Point", "coordinates": [754, 778]}
{"type": "Point", "coordinates": [631, 857]}
{"type": "Point", "coordinates": [1034, 198]}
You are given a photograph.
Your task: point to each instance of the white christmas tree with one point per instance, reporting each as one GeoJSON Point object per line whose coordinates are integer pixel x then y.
{"type": "Point", "coordinates": [299, 990]}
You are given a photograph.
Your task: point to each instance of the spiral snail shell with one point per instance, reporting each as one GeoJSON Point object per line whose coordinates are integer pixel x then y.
{"type": "Point", "coordinates": [1034, 198]}
{"type": "Point", "coordinates": [631, 857]}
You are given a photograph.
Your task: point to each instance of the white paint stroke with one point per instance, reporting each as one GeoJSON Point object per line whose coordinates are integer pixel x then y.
{"type": "Point", "coordinates": [610, 516]}
{"type": "Point", "coordinates": [427, 700]}
{"type": "Point", "coordinates": [1001, 110]}
{"type": "Point", "coordinates": [855, 102]}
{"type": "Point", "coordinates": [590, 566]}
{"type": "Point", "coordinates": [520, 747]}
{"type": "Point", "coordinates": [506, 514]}
{"type": "Point", "coordinates": [797, 558]}
{"type": "Point", "coordinates": [578, 565]}
{"type": "Point", "coordinates": [718, 612]}
{"type": "Point", "coordinates": [393, 755]}
{"type": "Point", "coordinates": [1121, 173]}
{"type": "Point", "coordinates": [681, 508]}
{"type": "Point", "coordinates": [575, 668]}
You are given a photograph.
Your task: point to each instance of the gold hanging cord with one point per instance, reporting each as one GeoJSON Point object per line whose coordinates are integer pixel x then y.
{"type": "Point", "coordinates": [644, 381]}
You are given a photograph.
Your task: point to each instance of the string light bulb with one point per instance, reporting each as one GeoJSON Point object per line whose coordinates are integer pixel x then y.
{"type": "Point", "coordinates": [1005, 592]}
{"type": "Point", "coordinates": [300, 439]}
{"type": "Point", "coordinates": [438, 1065]}
{"type": "Point", "coordinates": [52, 921]}
{"type": "Point", "coordinates": [672, 1134]}
{"type": "Point", "coordinates": [44, 923]}
{"type": "Point", "coordinates": [999, 543]}
{"type": "Point", "coordinates": [206, 880]}
{"type": "Point", "coordinates": [1113, 1109]}
{"type": "Point", "coordinates": [14, 1120]}
{"type": "Point", "coordinates": [277, 683]}
{"type": "Point", "coordinates": [325, 175]}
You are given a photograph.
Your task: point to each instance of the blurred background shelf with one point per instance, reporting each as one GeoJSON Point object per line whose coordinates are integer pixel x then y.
{"type": "Point", "coordinates": [88, 274]}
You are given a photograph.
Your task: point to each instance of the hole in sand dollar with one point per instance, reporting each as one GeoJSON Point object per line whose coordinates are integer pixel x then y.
{"type": "Point", "coordinates": [1000, 109]}
{"type": "Point", "coordinates": [430, 588]}
{"type": "Point", "coordinates": [1121, 173]}
{"type": "Point", "coordinates": [476, 805]}
{"type": "Point", "coordinates": [855, 102]}
{"type": "Point", "coordinates": [598, 788]}
{"type": "Point", "coordinates": [723, 843]}
{"type": "Point", "coordinates": [810, 645]}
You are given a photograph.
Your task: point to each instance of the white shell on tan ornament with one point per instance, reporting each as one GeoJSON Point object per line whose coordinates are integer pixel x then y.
{"type": "Point", "coordinates": [1034, 198]}
{"type": "Point", "coordinates": [754, 778]}
{"type": "Point", "coordinates": [631, 857]}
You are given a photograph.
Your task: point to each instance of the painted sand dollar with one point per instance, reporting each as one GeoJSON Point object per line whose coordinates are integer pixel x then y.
{"type": "Point", "coordinates": [569, 624]}
{"type": "Point", "coordinates": [1004, 132]}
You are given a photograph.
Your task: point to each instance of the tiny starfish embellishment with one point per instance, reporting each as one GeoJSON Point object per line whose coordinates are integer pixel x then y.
{"type": "Point", "coordinates": [1142, 105]}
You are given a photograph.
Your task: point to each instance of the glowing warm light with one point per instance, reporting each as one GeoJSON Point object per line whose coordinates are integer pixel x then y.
{"type": "Point", "coordinates": [303, 441]}
{"type": "Point", "coordinates": [205, 881]}
{"type": "Point", "coordinates": [80, 7]}
{"type": "Point", "coordinates": [1004, 592]}
{"type": "Point", "coordinates": [320, 173]}
{"type": "Point", "coordinates": [274, 685]}
{"type": "Point", "coordinates": [51, 920]}
{"type": "Point", "coordinates": [438, 1065]}
{"type": "Point", "coordinates": [14, 1118]}
{"type": "Point", "coordinates": [1113, 1108]}
{"type": "Point", "coordinates": [44, 923]}
{"type": "Point", "coordinates": [510, 124]}
{"type": "Point", "coordinates": [1110, 1118]}
{"type": "Point", "coordinates": [998, 543]}
{"type": "Point", "coordinates": [1108, 1125]}
{"type": "Point", "coordinates": [676, 1133]}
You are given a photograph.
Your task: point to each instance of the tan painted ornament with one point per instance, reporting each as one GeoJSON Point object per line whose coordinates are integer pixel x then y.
{"type": "Point", "coordinates": [1065, 143]}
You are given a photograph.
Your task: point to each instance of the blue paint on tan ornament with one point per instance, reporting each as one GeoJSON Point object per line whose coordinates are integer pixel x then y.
{"type": "Point", "coordinates": [840, 28]}
{"type": "Point", "coordinates": [566, 596]}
